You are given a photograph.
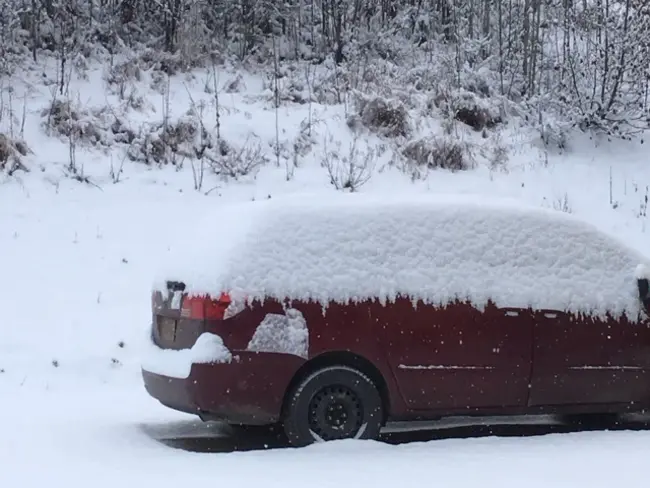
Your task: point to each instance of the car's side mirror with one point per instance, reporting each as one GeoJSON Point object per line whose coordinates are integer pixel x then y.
{"type": "Point", "coordinates": [644, 288]}
{"type": "Point", "coordinates": [642, 275]}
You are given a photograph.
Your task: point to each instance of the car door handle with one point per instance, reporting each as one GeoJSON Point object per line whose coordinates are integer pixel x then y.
{"type": "Point", "coordinates": [511, 313]}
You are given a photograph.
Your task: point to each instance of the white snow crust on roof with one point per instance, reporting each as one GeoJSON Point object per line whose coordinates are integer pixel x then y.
{"type": "Point", "coordinates": [642, 272]}
{"type": "Point", "coordinates": [436, 249]}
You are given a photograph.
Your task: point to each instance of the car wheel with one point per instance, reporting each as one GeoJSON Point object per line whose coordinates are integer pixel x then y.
{"type": "Point", "coordinates": [333, 403]}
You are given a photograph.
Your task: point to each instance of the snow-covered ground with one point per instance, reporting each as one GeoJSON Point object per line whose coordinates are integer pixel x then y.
{"type": "Point", "coordinates": [106, 437]}
{"type": "Point", "coordinates": [76, 264]}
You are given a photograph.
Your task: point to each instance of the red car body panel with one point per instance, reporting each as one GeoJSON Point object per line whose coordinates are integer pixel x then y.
{"type": "Point", "coordinates": [457, 358]}
{"type": "Point", "coordinates": [579, 360]}
{"type": "Point", "coordinates": [430, 360]}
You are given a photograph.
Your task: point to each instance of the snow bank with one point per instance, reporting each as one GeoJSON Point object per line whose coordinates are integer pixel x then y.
{"type": "Point", "coordinates": [209, 348]}
{"type": "Point", "coordinates": [286, 334]}
{"type": "Point", "coordinates": [431, 248]}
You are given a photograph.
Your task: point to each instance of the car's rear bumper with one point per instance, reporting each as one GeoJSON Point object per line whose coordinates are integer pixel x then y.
{"type": "Point", "coordinates": [250, 390]}
{"type": "Point", "coordinates": [171, 392]}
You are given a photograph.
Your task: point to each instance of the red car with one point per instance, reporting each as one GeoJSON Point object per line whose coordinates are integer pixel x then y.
{"type": "Point", "coordinates": [334, 318]}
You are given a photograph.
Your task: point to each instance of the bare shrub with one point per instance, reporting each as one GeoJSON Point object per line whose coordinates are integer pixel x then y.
{"type": "Point", "coordinates": [562, 204]}
{"type": "Point", "coordinates": [350, 171]}
{"type": "Point", "coordinates": [235, 84]}
{"type": "Point", "coordinates": [168, 63]}
{"type": "Point", "coordinates": [497, 154]}
{"type": "Point", "coordinates": [122, 75]}
{"type": "Point", "coordinates": [499, 158]}
{"type": "Point", "coordinates": [127, 71]}
{"type": "Point", "coordinates": [332, 86]}
{"type": "Point", "coordinates": [158, 81]}
{"type": "Point", "coordinates": [147, 147]}
{"type": "Point", "coordinates": [434, 153]}
{"type": "Point", "coordinates": [188, 138]}
{"type": "Point", "coordinates": [10, 154]}
{"type": "Point", "coordinates": [116, 172]}
{"type": "Point", "coordinates": [380, 115]}
{"type": "Point", "coordinates": [60, 117]}
{"type": "Point", "coordinates": [180, 137]}
{"type": "Point", "coordinates": [122, 133]}
{"type": "Point", "coordinates": [65, 120]}
{"type": "Point", "coordinates": [6, 149]}
{"type": "Point", "coordinates": [98, 127]}
{"type": "Point", "coordinates": [286, 84]}
{"type": "Point", "coordinates": [554, 136]}
{"type": "Point", "coordinates": [234, 162]}
{"type": "Point", "coordinates": [477, 118]}
{"type": "Point", "coordinates": [165, 143]}
{"type": "Point", "coordinates": [21, 147]}
{"type": "Point", "coordinates": [303, 144]}
{"type": "Point", "coordinates": [135, 101]}
{"type": "Point", "coordinates": [466, 107]}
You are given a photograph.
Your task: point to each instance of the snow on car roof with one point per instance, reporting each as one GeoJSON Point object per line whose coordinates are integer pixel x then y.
{"type": "Point", "coordinates": [431, 248]}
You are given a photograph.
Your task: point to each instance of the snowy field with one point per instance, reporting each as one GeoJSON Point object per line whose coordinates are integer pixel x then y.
{"type": "Point", "coordinates": [76, 263]}
{"type": "Point", "coordinates": [106, 436]}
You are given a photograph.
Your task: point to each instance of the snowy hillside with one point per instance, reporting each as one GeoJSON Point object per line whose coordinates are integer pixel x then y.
{"type": "Point", "coordinates": [83, 246]}
{"type": "Point", "coordinates": [101, 169]}
{"type": "Point", "coordinates": [78, 259]}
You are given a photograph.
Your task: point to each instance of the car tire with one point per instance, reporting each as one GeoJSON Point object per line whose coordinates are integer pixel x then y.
{"type": "Point", "coordinates": [333, 403]}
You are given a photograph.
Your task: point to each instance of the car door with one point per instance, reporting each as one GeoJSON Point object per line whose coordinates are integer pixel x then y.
{"type": "Point", "coordinates": [578, 360]}
{"type": "Point", "coordinates": [457, 358]}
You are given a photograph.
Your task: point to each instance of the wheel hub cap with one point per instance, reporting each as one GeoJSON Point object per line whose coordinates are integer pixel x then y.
{"type": "Point", "coordinates": [335, 413]}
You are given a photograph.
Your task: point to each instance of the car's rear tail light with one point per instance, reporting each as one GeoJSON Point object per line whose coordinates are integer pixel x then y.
{"type": "Point", "coordinates": [205, 307]}
{"type": "Point", "coordinates": [216, 309]}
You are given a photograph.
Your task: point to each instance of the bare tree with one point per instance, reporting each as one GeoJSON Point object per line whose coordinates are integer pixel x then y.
{"type": "Point", "coordinates": [583, 62]}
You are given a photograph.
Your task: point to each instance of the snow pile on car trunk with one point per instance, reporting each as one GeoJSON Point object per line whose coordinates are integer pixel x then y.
{"type": "Point", "coordinates": [431, 248]}
{"type": "Point", "coordinates": [209, 348]}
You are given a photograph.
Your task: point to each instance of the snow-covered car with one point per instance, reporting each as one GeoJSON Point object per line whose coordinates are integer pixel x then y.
{"type": "Point", "coordinates": [332, 318]}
